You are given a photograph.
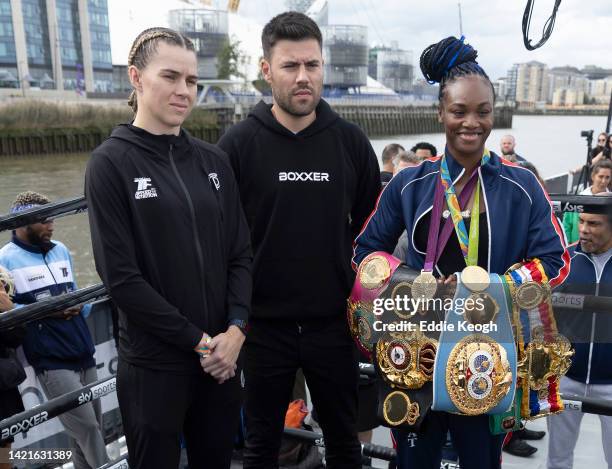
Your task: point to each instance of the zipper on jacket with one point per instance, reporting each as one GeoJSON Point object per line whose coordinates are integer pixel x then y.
{"type": "Point", "coordinates": [44, 256]}
{"type": "Point", "coordinates": [593, 321]}
{"type": "Point", "coordinates": [198, 246]}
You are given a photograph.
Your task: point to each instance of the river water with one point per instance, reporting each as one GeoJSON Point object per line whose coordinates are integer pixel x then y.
{"type": "Point", "coordinates": [553, 144]}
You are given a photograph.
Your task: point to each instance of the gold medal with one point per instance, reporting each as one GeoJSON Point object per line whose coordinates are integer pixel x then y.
{"type": "Point", "coordinates": [397, 409]}
{"type": "Point", "coordinates": [480, 309]}
{"type": "Point", "coordinates": [528, 295]}
{"type": "Point", "coordinates": [475, 278]}
{"type": "Point", "coordinates": [424, 286]}
{"type": "Point", "coordinates": [373, 272]}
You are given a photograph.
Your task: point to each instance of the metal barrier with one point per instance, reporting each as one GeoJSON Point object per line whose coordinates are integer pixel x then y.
{"type": "Point", "coordinates": [26, 420]}
{"type": "Point", "coordinates": [367, 449]}
{"type": "Point", "coordinates": [23, 421]}
{"type": "Point", "coordinates": [120, 463]}
{"type": "Point", "coordinates": [40, 414]}
{"type": "Point", "coordinates": [587, 405]}
{"type": "Point", "coordinates": [48, 306]}
{"type": "Point", "coordinates": [564, 203]}
{"type": "Point", "coordinates": [36, 416]}
{"type": "Point", "coordinates": [45, 212]}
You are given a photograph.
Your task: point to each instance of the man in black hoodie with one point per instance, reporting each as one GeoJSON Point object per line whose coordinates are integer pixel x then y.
{"type": "Point", "coordinates": [308, 180]}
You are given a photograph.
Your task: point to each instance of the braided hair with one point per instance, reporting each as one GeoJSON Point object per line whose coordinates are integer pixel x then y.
{"type": "Point", "coordinates": [448, 60]}
{"type": "Point", "coordinates": [145, 45]}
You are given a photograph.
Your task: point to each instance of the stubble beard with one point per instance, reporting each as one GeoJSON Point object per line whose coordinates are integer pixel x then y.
{"type": "Point", "coordinates": [284, 102]}
{"type": "Point", "coordinates": [34, 238]}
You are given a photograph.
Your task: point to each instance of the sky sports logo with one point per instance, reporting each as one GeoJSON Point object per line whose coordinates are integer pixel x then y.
{"type": "Point", "coordinates": [293, 176]}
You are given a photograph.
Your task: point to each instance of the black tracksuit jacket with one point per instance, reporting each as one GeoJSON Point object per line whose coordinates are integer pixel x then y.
{"type": "Point", "coordinates": [170, 242]}
{"type": "Point", "coordinates": [306, 197]}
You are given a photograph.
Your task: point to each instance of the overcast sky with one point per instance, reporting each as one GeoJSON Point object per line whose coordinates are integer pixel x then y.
{"type": "Point", "coordinates": [582, 34]}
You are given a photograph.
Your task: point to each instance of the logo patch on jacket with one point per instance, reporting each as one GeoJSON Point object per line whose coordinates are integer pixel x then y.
{"type": "Point", "coordinates": [145, 189]}
{"type": "Point", "coordinates": [214, 179]}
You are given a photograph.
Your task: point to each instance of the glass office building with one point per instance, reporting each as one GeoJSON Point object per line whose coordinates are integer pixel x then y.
{"type": "Point", "coordinates": [8, 58]}
{"type": "Point", "coordinates": [100, 45]}
{"type": "Point", "coordinates": [208, 29]}
{"type": "Point", "coordinates": [345, 50]}
{"type": "Point", "coordinates": [56, 44]}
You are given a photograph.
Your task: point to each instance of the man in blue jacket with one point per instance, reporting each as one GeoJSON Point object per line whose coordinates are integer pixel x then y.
{"type": "Point", "coordinates": [590, 374]}
{"type": "Point", "coordinates": [59, 348]}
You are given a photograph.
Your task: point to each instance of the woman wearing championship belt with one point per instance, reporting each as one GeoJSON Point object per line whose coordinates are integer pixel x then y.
{"type": "Point", "coordinates": [499, 216]}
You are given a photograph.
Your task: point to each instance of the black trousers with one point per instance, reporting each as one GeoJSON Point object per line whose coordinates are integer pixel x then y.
{"type": "Point", "coordinates": [157, 407]}
{"type": "Point", "coordinates": [324, 350]}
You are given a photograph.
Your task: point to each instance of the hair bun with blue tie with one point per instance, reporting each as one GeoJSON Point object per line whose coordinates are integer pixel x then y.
{"type": "Point", "coordinates": [438, 60]}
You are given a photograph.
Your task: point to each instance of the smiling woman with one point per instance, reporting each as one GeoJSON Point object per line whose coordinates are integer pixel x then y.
{"type": "Point", "coordinates": [466, 98]}
{"type": "Point", "coordinates": [499, 216]}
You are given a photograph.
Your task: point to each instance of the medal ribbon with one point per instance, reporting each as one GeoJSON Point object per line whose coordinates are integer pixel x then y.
{"type": "Point", "coordinates": [455, 211]}
{"type": "Point", "coordinates": [436, 240]}
{"type": "Point", "coordinates": [548, 400]}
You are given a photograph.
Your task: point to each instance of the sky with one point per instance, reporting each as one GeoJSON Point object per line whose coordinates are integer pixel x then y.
{"type": "Point", "coordinates": [582, 33]}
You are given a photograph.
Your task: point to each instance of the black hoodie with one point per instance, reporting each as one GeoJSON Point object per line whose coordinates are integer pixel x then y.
{"type": "Point", "coordinates": [305, 196]}
{"type": "Point", "coordinates": [170, 243]}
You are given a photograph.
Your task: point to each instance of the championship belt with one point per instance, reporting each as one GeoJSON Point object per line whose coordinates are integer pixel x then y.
{"type": "Point", "coordinates": [405, 369]}
{"type": "Point", "coordinates": [402, 356]}
{"type": "Point", "coordinates": [406, 360]}
{"type": "Point", "coordinates": [509, 421]}
{"type": "Point", "coordinates": [544, 354]}
{"type": "Point", "coordinates": [475, 367]}
{"type": "Point", "coordinates": [373, 278]}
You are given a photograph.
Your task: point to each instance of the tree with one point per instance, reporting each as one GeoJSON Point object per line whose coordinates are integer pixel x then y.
{"type": "Point", "coordinates": [228, 60]}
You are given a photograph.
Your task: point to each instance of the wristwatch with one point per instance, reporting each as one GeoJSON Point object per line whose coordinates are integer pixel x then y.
{"type": "Point", "coordinates": [240, 324]}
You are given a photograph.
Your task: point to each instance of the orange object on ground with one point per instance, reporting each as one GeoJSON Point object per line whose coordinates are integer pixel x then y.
{"type": "Point", "coordinates": [296, 413]}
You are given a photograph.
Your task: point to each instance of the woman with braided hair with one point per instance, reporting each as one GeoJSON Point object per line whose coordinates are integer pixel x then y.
{"type": "Point", "coordinates": [172, 246]}
{"type": "Point", "coordinates": [504, 209]}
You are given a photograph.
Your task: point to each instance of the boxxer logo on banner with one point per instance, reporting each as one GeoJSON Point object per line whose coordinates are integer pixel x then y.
{"type": "Point", "coordinates": [25, 424]}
